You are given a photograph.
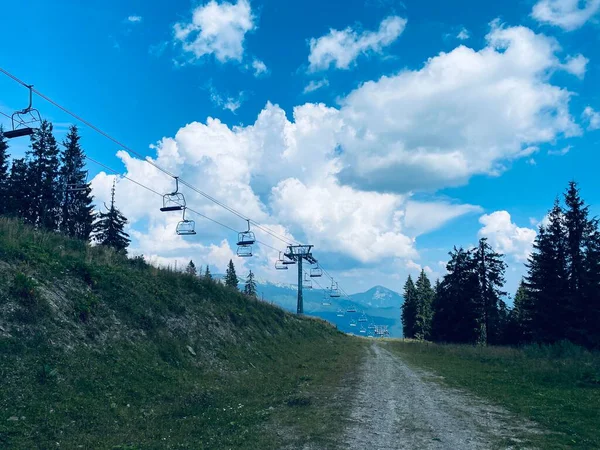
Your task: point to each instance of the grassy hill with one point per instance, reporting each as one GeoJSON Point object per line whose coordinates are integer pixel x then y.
{"type": "Point", "coordinates": [101, 351]}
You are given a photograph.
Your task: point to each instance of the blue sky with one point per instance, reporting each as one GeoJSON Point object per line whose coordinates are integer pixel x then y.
{"type": "Point", "coordinates": [383, 132]}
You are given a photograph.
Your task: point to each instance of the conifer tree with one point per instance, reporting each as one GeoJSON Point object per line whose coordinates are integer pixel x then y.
{"type": "Point", "coordinates": [522, 316]}
{"type": "Point", "coordinates": [77, 216]}
{"type": "Point", "coordinates": [43, 175]}
{"type": "Point", "coordinates": [250, 287]}
{"type": "Point", "coordinates": [231, 278]}
{"type": "Point", "coordinates": [191, 269]}
{"type": "Point", "coordinates": [207, 274]}
{"type": "Point", "coordinates": [409, 309]}
{"type": "Point", "coordinates": [4, 174]}
{"type": "Point", "coordinates": [109, 228]}
{"type": "Point", "coordinates": [547, 279]}
{"type": "Point", "coordinates": [19, 199]}
{"type": "Point", "coordinates": [590, 314]}
{"type": "Point", "coordinates": [425, 295]}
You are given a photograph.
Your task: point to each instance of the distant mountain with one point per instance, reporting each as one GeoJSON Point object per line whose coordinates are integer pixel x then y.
{"type": "Point", "coordinates": [381, 306]}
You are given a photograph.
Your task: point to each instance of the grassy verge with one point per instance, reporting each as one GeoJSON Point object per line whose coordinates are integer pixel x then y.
{"type": "Point", "coordinates": [558, 387]}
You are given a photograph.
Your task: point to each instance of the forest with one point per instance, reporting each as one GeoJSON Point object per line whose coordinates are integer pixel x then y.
{"type": "Point", "coordinates": [556, 301]}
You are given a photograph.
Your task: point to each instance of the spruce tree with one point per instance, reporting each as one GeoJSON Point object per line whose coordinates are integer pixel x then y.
{"type": "Point", "coordinates": [109, 228]}
{"type": "Point", "coordinates": [409, 309]}
{"type": "Point", "coordinates": [191, 269]}
{"type": "Point", "coordinates": [19, 195]}
{"type": "Point", "coordinates": [207, 274]}
{"type": "Point", "coordinates": [590, 314]}
{"type": "Point", "coordinates": [490, 268]}
{"type": "Point", "coordinates": [4, 174]}
{"type": "Point", "coordinates": [522, 316]}
{"type": "Point", "coordinates": [250, 287]}
{"type": "Point", "coordinates": [425, 295]}
{"type": "Point", "coordinates": [77, 215]}
{"type": "Point", "coordinates": [231, 278]}
{"type": "Point", "coordinates": [547, 280]}
{"type": "Point", "coordinates": [43, 179]}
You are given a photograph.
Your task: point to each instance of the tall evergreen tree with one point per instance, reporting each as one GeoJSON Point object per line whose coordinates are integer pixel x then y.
{"type": "Point", "coordinates": [77, 216]}
{"type": "Point", "coordinates": [109, 229]}
{"type": "Point", "coordinates": [207, 274]}
{"type": "Point", "coordinates": [490, 268]}
{"type": "Point", "coordinates": [250, 287]}
{"type": "Point", "coordinates": [4, 174]}
{"type": "Point", "coordinates": [191, 269]}
{"type": "Point", "coordinates": [19, 194]}
{"type": "Point", "coordinates": [590, 314]}
{"type": "Point", "coordinates": [409, 309]}
{"type": "Point", "coordinates": [231, 278]}
{"type": "Point", "coordinates": [522, 316]}
{"type": "Point", "coordinates": [455, 315]}
{"type": "Point", "coordinates": [547, 279]}
{"type": "Point", "coordinates": [43, 179]}
{"type": "Point", "coordinates": [425, 296]}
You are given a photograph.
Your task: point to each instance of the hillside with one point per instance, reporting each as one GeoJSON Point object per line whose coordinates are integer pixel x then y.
{"type": "Point", "coordinates": [100, 351]}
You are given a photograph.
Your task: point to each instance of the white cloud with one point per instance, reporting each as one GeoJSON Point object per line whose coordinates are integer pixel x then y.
{"type": "Point", "coordinates": [315, 85]}
{"type": "Point", "coordinates": [463, 34]}
{"type": "Point", "coordinates": [592, 118]}
{"type": "Point", "coordinates": [566, 14]}
{"type": "Point", "coordinates": [423, 217]}
{"type": "Point", "coordinates": [463, 113]}
{"type": "Point", "coordinates": [576, 65]}
{"type": "Point", "coordinates": [506, 237]}
{"type": "Point", "coordinates": [341, 48]}
{"type": "Point", "coordinates": [226, 102]}
{"type": "Point", "coordinates": [216, 29]}
{"type": "Point", "coordinates": [563, 151]}
{"type": "Point", "coordinates": [134, 19]}
{"type": "Point", "coordinates": [260, 68]}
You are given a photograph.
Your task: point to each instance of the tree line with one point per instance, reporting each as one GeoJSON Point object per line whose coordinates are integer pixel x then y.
{"type": "Point", "coordinates": [231, 279]}
{"type": "Point", "coordinates": [558, 299]}
{"type": "Point", "coordinates": [48, 189]}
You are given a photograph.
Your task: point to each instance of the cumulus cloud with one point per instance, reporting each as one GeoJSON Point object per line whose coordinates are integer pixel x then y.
{"type": "Point", "coordinates": [592, 118]}
{"type": "Point", "coordinates": [134, 19]}
{"type": "Point", "coordinates": [217, 29]}
{"type": "Point", "coordinates": [462, 114]}
{"type": "Point", "coordinates": [563, 151]}
{"type": "Point", "coordinates": [463, 34]}
{"type": "Point", "coordinates": [576, 65]}
{"type": "Point", "coordinates": [566, 14]}
{"type": "Point", "coordinates": [226, 102]}
{"type": "Point", "coordinates": [315, 85]}
{"type": "Point", "coordinates": [259, 67]}
{"type": "Point", "coordinates": [342, 48]}
{"type": "Point", "coordinates": [505, 236]}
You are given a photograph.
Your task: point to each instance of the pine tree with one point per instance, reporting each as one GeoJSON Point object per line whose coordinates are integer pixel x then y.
{"type": "Point", "coordinates": [231, 278]}
{"type": "Point", "coordinates": [191, 269]}
{"type": "Point", "coordinates": [425, 295]}
{"type": "Point", "coordinates": [207, 274]}
{"type": "Point", "coordinates": [455, 314]}
{"type": "Point", "coordinates": [19, 196]}
{"type": "Point", "coordinates": [409, 309]}
{"type": "Point", "coordinates": [590, 314]}
{"type": "Point", "coordinates": [547, 280]}
{"type": "Point", "coordinates": [109, 228]}
{"type": "Point", "coordinates": [250, 287]}
{"type": "Point", "coordinates": [490, 269]}
{"type": "Point", "coordinates": [43, 174]}
{"type": "Point", "coordinates": [522, 316]}
{"type": "Point", "coordinates": [77, 215]}
{"type": "Point", "coordinates": [4, 174]}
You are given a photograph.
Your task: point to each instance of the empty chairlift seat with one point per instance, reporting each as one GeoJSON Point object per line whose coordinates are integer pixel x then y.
{"type": "Point", "coordinates": [186, 227]}
{"type": "Point", "coordinates": [22, 121]}
{"type": "Point", "coordinates": [174, 201]}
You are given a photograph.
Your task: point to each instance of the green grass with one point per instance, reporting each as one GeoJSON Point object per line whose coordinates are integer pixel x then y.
{"type": "Point", "coordinates": [558, 387]}
{"type": "Point", "coordinates": [94, 354]}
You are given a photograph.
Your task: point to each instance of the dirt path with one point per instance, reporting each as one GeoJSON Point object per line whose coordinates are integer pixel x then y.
{"type": "Point", "coordinates": [397, 407]}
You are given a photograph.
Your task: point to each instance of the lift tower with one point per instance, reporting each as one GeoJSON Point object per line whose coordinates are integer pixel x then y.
{"type": "Point", "coordinates": [298, 253]}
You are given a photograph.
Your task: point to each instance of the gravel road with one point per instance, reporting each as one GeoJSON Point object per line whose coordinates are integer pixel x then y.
{"type": "Point", "coordinates": [397, 407]}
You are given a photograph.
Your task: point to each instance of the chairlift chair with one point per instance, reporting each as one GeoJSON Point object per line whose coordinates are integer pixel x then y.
{"type": "Point", "coordinates": [174, 201]}
{"type": "Point", "coordinates": [244, 251]}
{"type": "Point", "coordinates": [316, 272]}
{"type": "Point", "coordinates": [362, 329]}
{"type": "Point", "coordinates": [353, 323]}
{"type": "Point", "coordinates": [363, 318]}
{"type": "Point", "coordinates": [22, 120]}
{"type": "Point", "coordinates": [340, 313]}
{"type": "Point", "coordinates": [186, 227]}
{"type": "Point", "coordinates": [247, 237]}
{"type": "Point", "coordinates": [351, 309]}
{"type": "Point", "coordinates": [280, 263]}
{"type": "Point", "coordinates": [307, 282]}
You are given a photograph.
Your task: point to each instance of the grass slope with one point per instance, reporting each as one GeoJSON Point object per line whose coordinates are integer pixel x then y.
{"type": "Point", "coordinates": [97, 351]}
{"type": "Point", "coordinates": [558, 387]}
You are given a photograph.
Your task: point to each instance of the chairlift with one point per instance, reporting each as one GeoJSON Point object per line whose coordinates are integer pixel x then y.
{"type": "Point", "coordinates": [371, 326]}
{"type": "Point", "coordinates": [334, 291]}
{"type": "Point", "coordinates": [280, 263]}
{"type": "Point", "coordinates": [353, 323]}
{"type": "Point", "coordinates": [316, 272]}
{"type": "Point", "coordinates": [22, 120]}
{"type": "Point", "coordinates": [351, 309]}
{"type": "Point", "coordinates": [174, 201]}
{"type": "Point", "coordinates": [244, 251]}
{"type": "Point", "coordinates": [75, 187]}
{"type": "Point", "coordinates": [288, 262]}
{"type": "Point", "coordinates": [307, 282]}
{"type": "Point", "coordinates": [362, 329]}
{"type": "Point", "coordinates": [363, 318]}
{"type": "Point", "coordinates": [246, 238]}
{"type": "Point", "coordinates": [186, 227]}
{"type": "Point", "coordinates": [340, 313]}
